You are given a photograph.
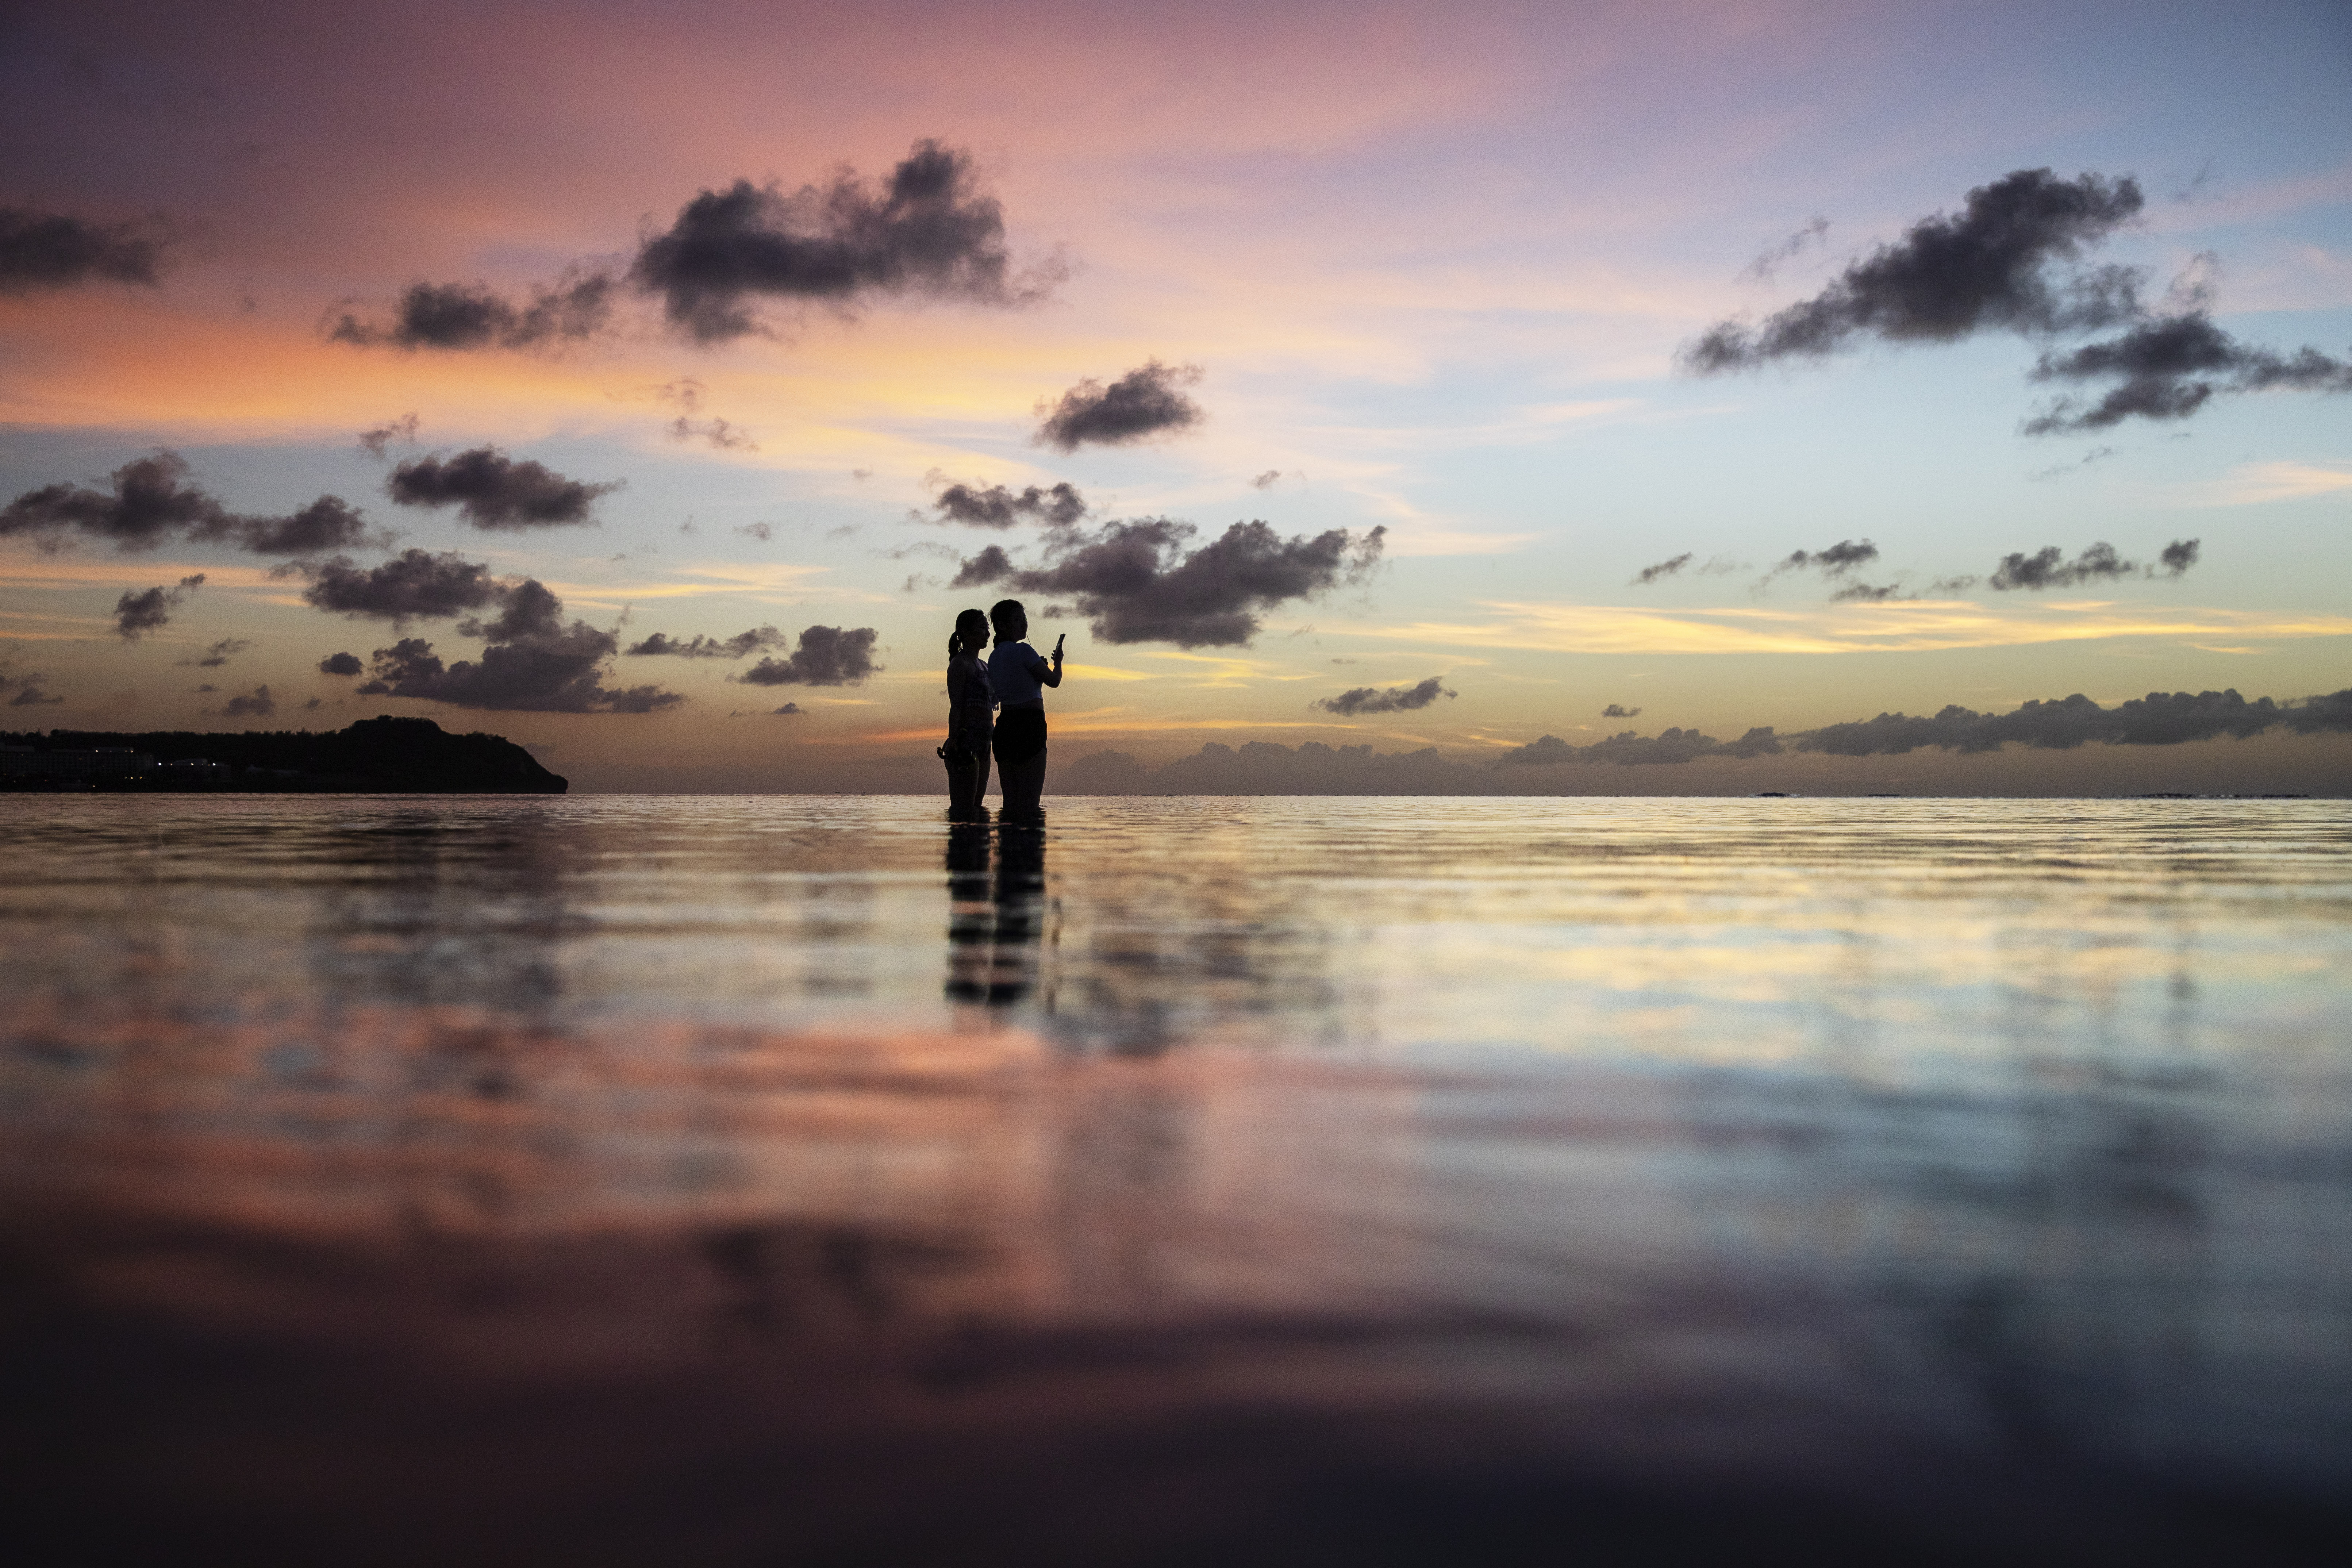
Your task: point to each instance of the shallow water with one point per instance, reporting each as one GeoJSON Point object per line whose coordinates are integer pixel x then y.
{"type": "Point", "coordinates": [803, 1179]}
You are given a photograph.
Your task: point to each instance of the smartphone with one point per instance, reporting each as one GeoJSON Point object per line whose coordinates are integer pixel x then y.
{"type": "Point", "coordinates": [1057, 643]}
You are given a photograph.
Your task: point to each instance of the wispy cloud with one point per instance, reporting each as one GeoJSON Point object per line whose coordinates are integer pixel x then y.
{"type": "Point", "coordinates": [1913, 625]}
{"type": "Point", "coordinates": [772, 580]}
{"type": "Point", "coordinates": [2251, 484]}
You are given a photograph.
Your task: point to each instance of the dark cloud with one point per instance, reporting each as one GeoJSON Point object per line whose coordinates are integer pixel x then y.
{"type": "Point", "coordinates": [413, 585]}
{"type": "Point", "coordinates": [1649, 575]}
{"type": "Point", "coordinates": [827, 656]}
{"type": "Point", "coordinates": [1139, 582]}
{"type": "Point", "coordinates": [990, 565]}
{"type": "Point", "coordinates": [51, 250]}
{"type": "Point", "coordinates": [2007, 262]}
{"type": "Point", "coordinates": [494, 491]}
{"type": "Point", "coordinates": [2160, 718]}
{"type": "Point", "coordinates": [1994, 266]}
{"type": "Point", "coordinates": [742, 644]}
{"type": "Point", "coordinates": [1869, 593]}
{"type": "Point", "coordinates": [533, 663]}
{"type": "Point", "coordinates": [788, 711]}
{"type": "Point", "coordinates": [929, 229]}
{"type": "Point", "coordinates": [341, 664]}
{"type": "Point", "coordinates": [1394, 699]}
{"type": "Point", "coordinates": [2049, 568]}
{"type": "Point", "coordinates": [2170, 368]}
{"type": "Point", "coordinates": [135, 615]}
{"type": "Point", "coordinates": [255, 704]}
{"type": "Point", "coordinates": [1836, 561]}
{"type": "Point", "coordinates": [1266, 480]}
{"type": "Point", "coordinates": [528, 609]}
{"type": "Point", "coordinates": [476, 316]}
{"type": "Point", "coordinates": [998, 506]}
{"type": "Point", "coordinates": [1615, 711]}
{"type": "Point", "coordinates": [327, 524]}
{"type": "Point", "coordinates": [402, 430]}
{"type": "Point", "coordinates": [219, 654]}
{"type": "Point", "coordinates": [1138, 406]}
{"type": "Point", "coordinates": [760, 531]}
{"type": "Point", "coordinates": [150, 503]}
{"type": "Point", "coordinates": [1627, 749]}
{"type": "Point", "coordinates": [25, 690]}
{"type": "Point", "coordinates": [2331, 714]}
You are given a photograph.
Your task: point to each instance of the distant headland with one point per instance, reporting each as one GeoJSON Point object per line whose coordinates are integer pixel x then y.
{"type": "Point", "coordinates": [382, 755]}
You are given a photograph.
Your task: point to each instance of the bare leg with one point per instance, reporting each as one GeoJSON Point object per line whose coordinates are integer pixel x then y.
{"type": "Point", "coordinates": [967, 786]}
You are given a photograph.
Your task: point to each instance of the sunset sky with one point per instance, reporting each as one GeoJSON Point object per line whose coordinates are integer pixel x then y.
{"type": "Point", "coordinates": [1437, 294]}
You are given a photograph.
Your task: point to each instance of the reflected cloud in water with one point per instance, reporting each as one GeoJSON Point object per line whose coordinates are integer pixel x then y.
{"type": "Point", "coordinates": [1916, 1172]}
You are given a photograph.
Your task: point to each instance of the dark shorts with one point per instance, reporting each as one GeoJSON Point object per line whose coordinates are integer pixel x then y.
{"type": "Point", "coordinates": [1020, 735]}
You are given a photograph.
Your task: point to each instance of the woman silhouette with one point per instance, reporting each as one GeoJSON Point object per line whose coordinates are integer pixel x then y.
{"type": "Point", "coordinates": [1018, 675]}
{"type": "Point", "coordinates": [968, 723]}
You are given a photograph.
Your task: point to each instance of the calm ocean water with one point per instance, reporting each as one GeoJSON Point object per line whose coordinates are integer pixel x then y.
{"type": "Point", "coordinates": [784, 1179]}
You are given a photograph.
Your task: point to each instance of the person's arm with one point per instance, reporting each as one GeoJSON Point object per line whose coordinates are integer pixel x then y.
{"type": "Point", "coordinates": [1051, 674]}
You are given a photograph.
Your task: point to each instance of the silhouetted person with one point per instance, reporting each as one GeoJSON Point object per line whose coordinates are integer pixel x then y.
{"type": "Point", "coordinates": [1018, 675]}
{"type": "Point", "coordinates": [971, 727]}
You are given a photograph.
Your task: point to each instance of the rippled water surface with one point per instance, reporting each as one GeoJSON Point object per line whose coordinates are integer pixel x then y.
{"type": "Point", "coordinates": [784, 1179]}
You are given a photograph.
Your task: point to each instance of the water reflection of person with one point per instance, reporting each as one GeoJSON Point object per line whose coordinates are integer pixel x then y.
{"type": "Point", "coordinates": [1018, 675]}
{"type": "Point", "coordinates": [994, 924]}
{"type": "Point", "coordinates": [970, 725]}
{"type": "Point", "coordinates": [972, 923]}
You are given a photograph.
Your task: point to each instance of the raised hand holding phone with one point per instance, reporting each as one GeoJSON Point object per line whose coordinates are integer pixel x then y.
{"type": "Point", "coordinates": [1057, 646]}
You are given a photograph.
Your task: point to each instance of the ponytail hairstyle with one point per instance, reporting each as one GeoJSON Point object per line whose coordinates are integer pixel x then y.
{"type": "Point", "coordinates": [971, 633]}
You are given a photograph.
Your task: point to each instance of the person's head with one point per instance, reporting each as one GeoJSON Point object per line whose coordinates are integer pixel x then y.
{"type": "Point", "coordinates": [1011, 622]}
{"type": "Point", "coordinates": [972, 630]}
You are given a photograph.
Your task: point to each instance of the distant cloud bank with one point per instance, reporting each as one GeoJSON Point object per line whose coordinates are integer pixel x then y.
{"type": "Point", "coordinates": [2160, 718]}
